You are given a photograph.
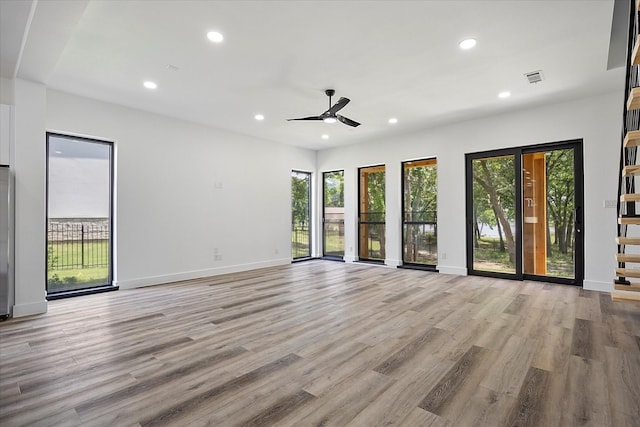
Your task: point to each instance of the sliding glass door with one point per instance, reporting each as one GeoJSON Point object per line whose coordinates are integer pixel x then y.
{"type": "Point", "coordinates": [333, 214]}
{"type": "Point", "coordinates": [524, 213]}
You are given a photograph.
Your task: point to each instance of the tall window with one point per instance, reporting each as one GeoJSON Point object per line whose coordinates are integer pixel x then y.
{"type": "Point", "coordinates": [419, 221]}
{"type": "Point", "coordinates": [371, 213]}
{"type": "Point", "coordinates": [300, 214]}
{"type": "Point", "coordinates": [333, 214]}
{"type": "Point", "coordinates": [79, 206]}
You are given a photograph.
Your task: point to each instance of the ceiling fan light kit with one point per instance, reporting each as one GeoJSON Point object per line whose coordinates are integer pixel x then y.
{"type": "Point", "coordinates": [331, 116]}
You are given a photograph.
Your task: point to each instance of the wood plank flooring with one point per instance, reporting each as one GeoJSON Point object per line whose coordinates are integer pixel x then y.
{"type": "Point", "coordinates": [326, 344]}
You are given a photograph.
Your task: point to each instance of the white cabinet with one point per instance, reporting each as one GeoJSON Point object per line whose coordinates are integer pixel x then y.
{"type": "Point", "coordinates": [6, 112]}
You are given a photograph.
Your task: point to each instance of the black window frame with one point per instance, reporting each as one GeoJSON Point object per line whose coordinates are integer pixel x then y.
{"type": "Point", "coordinates": [310, 230]}
{"type": "Point", "coordinates": [404, 222]}
{"type": "Point", "coordinates": [324, 242]}
{"type": "Point", "coordinates": [360, 213]}
{"type": "Point", "coordinates": [110, 286]}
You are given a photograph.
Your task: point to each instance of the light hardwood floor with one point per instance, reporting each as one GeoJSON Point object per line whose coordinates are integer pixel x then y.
{"type": "Point", "coordinates": [326, 344]}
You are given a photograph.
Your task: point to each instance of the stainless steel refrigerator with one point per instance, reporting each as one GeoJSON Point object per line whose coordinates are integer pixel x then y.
{"type": "Point", "coordinates": [6, 251]}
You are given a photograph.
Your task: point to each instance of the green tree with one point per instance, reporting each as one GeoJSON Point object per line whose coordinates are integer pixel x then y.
{"type": "Point", "coordinates": [561, 197]}
{"type": "Point", "coordinates": [496, 178]}
{"type": "Point", "coordinates": [300, 185]}
{"type": "Point", "coordinates": [420, 203]}
{"type": "Point", "coordinates": [374, 209]}
{"type": "Point", "coordinates": [334, 189]}
{"type": "Point", "coordinates": [376, 201]}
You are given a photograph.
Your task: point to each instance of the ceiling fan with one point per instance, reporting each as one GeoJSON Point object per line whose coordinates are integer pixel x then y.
{"type": "Point", "coordinates": [330, 115]}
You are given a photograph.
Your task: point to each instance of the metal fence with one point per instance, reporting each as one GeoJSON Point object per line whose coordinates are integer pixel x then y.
{"type": "Point", "coordinates": [300, 241]}
{"type": "Point", "coordinates": [78, 244]}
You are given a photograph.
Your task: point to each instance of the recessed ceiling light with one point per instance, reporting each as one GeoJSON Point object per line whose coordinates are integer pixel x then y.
{"type": "Point", "coordinates": [393, 120]}
{"type": "Point", "coordinates": [467, 44]}
{"type": "Point", "coordinates": [259, 117]}
{"type": "Point", "coordinates": [504, 94]}
{"type": "Point", "coordinates": [150, 85]}
{"type": "Point", "coordinates": [330, 120]}
{"type": "Point", "coordinates": [215, 36]}
{"type": "Point", "coordinates": [325, 136]}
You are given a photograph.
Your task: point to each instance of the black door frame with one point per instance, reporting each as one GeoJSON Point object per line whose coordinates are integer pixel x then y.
{"type": "Point", "coordinates": [517, 152]}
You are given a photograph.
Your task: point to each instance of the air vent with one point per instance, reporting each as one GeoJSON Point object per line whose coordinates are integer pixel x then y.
{"type": "Point", "coordinates": [534, 76]}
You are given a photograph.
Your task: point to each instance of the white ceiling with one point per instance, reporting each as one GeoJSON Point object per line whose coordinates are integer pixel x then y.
{"type": "Point", "coordinates": [391, 58]}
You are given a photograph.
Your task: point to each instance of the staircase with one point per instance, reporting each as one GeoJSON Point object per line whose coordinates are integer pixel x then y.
{"type": "Point", "coordinates": [627, 284]}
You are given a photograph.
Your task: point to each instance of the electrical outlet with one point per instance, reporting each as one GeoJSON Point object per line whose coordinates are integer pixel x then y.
{"type": "Point", "coordinates": [610, 204]}
{"type": "Point", "coordinates": [444, 255]}
{"type": "Point", "coordinates": [217, 257]}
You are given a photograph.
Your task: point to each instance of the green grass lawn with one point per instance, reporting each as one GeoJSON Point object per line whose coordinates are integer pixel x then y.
{"type": "Point", "coordinates": [333, 243]}
{"type": "Point", "coordinates": [488, 257]}
{"type": "Point", "coordinates": [300, 243]}
{"type": "Point", "coordinates": [61, 277]}
{"type": "Point", "coordinates": [69, 279]}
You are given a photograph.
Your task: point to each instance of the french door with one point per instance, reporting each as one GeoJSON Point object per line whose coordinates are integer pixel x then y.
{"type": "Point", "coordinates": [524, 213]}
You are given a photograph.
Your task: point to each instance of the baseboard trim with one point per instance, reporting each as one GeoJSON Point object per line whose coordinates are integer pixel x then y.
{"type": "Point", "coordinates": [189, 275]}
{"type": "Point", "coordinates": [393, 263]}
{"type": "Point", "coordinates": [30, 309]}
{"type": "Point", "coordinates": [592, 285]}
{"type": "Point", "coordinates": [458, 271]}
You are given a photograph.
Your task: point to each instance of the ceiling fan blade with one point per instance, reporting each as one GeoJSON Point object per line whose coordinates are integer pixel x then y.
{"type": "Point", "coordinates": [307, 118]}
{"type": "Point", "coordinates": [336, 107]}
{"type": "Point", "coordinates": [347, 121]}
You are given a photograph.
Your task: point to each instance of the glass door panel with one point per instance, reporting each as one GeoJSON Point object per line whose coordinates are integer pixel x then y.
{"type": "Point", "coordinates": [494, 214]}
{"type": "Point", "coordinates": [548, 190]}
{"type": "Point", "coordinates": [300, 210]}
{"type": "Point", "coordinates": [371, 215]}
{"type": "Point", "coordinates": [333, 214]}
{"type": "Point", "coordinates": [420, 229]}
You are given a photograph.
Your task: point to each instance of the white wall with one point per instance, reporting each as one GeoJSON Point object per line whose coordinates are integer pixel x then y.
{"type": "Point", "coordinates": [29, 169]}
{"type": "Point", "coordinates": [596, 120]}
{"type": "Point", "coordinates": [186, 192]}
